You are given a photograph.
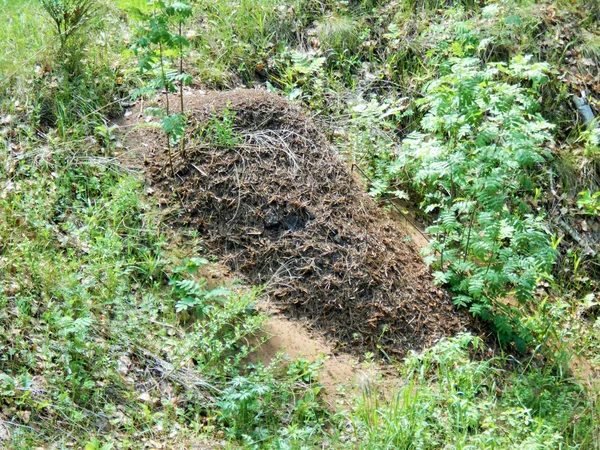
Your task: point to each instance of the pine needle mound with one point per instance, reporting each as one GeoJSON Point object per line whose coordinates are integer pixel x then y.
{"type": "Point", "coordinates": [281, 208]}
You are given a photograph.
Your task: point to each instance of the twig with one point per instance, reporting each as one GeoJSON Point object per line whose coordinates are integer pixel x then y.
{"type": "Point", "coordinates": [202, 172]}
{"type": "Point", "coordinates": [577, 238]}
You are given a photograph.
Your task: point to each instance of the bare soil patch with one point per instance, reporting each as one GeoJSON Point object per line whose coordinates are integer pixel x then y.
{"type": "Point", "coordinates": [291, 338]}
{"type": "Point", "coordinates": [282, 210]}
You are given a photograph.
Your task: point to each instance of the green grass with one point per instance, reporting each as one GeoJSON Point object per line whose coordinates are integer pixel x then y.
{"type": "Point", "coordinates": [23, 39]}
{"type": "Point", "coordinates": [451, 399]}
{"type": "Point", "coordinates": [87, 282]}
{"type": "Point", "coordinates": [237, 37]}
{"type": "Point", "coordinates": [338, 34]}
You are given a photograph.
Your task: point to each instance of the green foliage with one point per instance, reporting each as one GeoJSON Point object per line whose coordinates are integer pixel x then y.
{"type": "Point", "coordinates": [589, 202]}
{"type": "Point", "coordinates": [85, 241]}
{"type": "Point", "coordinates": [249, 405]}
{"type": "Point", "coordinates": [73, 89]}
{"type": "Point", "coordinates": [87, 291]}
{"type": "Point", "coordinates": [21, 34]}
{"type": "Point", "coordinates": [174, 126]}
{"type": "Point", "coordinates": [107, 137]}
{"type": "Point", "coordinates": [155, 39]}
{"type": "Point", "coordinates": [96, 444]}
{"type": "Point", "coordinates": [472, 168]}
{"type": "Point", "coordinates": [239, 38]}
{"type": "Point", "coordinates": [591, 142]}
{"type": "Point", "coordinates": [338, 34]}
{"type": "Point", "coordinates": [219, 131]}
{"type": "Point", "coordinates": [450, 398]}
{"type": "Point", "coordinates": [437, 4]}
{"type": "Point", "coordinates": [193, 295]}
{"type": "Point", "coordinates": [253, 397]}
{"type": "Point", "coordinates": [103, 330]}
{"type": "Point", "coordinates": [68, 16]}
{"type": "Point", "coordinates": [298, 75]}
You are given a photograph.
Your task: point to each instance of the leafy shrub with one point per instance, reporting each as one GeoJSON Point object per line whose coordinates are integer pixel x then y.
{"type": "Point", "coordinates": [472, 166]}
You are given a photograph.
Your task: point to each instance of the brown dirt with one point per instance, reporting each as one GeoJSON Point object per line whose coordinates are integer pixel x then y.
{"type": "Point", "coordinates": [341, 375]}
{"type": "Point", "coordinates": [294, 340]}
{"type": "Point", "coordinates": [282, 210]}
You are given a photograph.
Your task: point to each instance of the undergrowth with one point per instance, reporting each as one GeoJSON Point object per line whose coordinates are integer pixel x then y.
{"type": "Point", "coordinates": [87, 280]}
{"type": "Point", "coordinates": [452, 119]}
{"type": "Point", "coordinates": [449, 398]}
{"type": "Point", "coordinates": [472, 165]}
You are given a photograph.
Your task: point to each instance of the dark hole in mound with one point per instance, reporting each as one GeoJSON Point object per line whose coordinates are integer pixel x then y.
{"type": "Point", "coordinates": [278, 220]}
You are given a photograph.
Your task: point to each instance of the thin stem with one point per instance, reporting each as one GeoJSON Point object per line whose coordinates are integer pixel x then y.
{"type": "Point", "coordinates": [469, 234]}
{"type": "Point", "coordinates": [181, 85]}
{"type": "Point", "coordinates": [170, 156]}
{"type": "Point", "coordinates": [180, 69]}
{"type": "Point", "coordinates": [442, 252]}
{"type": "Point", "coordinates": [491, 259]}
{"type": "Point", "coordinates": [164, 77]}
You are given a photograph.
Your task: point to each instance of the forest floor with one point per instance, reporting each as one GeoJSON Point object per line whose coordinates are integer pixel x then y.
{"type": "Point", "coordinates": [349, 225]}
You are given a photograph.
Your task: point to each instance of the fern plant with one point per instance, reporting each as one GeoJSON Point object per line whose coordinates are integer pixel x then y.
{"type": "Point", "coordinates": [472, 166]}
{"type": "Point", "coordinates": [297, 74]}
{"type": "Point", "coordinates": [195, 296]}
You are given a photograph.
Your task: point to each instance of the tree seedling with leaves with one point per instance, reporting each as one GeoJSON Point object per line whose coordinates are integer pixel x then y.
{"type": "Point", "coordinates": [471, 166]}
{"type": "Point", "coordinates": [68, 16]}
{"type": "Point", "coordinates": [156, 40]}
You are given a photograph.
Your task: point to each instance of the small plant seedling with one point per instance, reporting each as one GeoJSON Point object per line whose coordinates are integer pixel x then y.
{"type": "Point", "coordinates": [155, 39]}
{"type": "Point", "coordinates": [219, 130]}
{"type": "Point", "coordinates": [68, 16]}
{"type": "Point", "coordinates": [107, 136]}
{"type": "Point", "coordinates": [589, 203]}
